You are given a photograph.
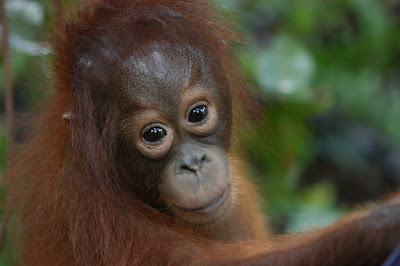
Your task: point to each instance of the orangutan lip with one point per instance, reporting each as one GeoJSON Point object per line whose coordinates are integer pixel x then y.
{"type": "Point", "coordinates": [213, 205]}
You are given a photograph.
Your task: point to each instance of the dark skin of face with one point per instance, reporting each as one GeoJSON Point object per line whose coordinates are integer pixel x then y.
{"type": "Point", "coordinates": [174, 121]}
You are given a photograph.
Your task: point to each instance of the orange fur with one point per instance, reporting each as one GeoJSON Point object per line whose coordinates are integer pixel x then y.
{"type": "Point", "coordinates": [73, 207]}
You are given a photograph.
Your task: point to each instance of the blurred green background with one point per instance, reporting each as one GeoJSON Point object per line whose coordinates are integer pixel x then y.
{"type": "Point", "coordinates": [328, 75]}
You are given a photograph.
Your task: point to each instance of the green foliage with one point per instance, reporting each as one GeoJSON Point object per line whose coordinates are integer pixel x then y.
{"type": "Point", "coordinates": [285, 68]}
{"type": "Point", "coordinates": [312, 57]}
{"type": "Point", "coordinates": [316, 207]}
{"type": "Point", "coordinates": [374, 106]}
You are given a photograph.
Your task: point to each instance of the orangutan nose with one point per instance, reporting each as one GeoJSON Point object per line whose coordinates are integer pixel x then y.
{"type": "Point", "coordinates": [192, 160]}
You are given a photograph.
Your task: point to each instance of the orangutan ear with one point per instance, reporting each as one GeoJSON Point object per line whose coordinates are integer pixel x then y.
{"type": "Point", "coordinates": [67, 115]}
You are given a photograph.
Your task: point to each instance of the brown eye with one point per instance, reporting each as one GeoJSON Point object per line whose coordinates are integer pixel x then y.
{"type": "Point", "coordinates": [198, 114]}
{"type": "Point", "coordinates": [154, 135]}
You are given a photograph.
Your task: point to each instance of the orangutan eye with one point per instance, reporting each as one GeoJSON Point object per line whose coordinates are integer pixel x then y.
{"type": "Point", "coordinates": [198, 114]}
{"type": "Point", "coordinates": [154, 135]}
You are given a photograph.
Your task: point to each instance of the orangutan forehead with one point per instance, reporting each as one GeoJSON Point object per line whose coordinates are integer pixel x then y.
{"type": "Point", "coordinates": [166, 61]}
{"type": "Point", "coordinates": [165, 70]}
{"type": "Point", "coordinates": [156, 66]}
{"type": "Point", "coordinates": [143, 47]}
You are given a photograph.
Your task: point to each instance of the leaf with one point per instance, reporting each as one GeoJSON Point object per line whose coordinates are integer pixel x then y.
{"type": "Point", "coordinates": [286, 68]}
